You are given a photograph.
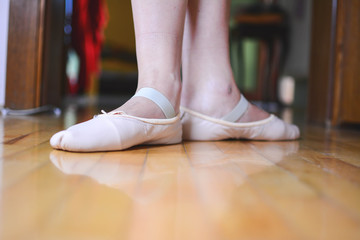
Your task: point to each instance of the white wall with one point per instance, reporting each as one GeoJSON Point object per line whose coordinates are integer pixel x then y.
{"type": "Point", "coordinates": [4, 20]}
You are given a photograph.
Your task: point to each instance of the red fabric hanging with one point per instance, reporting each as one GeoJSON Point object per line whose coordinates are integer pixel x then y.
{"type": "Point", "coordinates": [88, 22]}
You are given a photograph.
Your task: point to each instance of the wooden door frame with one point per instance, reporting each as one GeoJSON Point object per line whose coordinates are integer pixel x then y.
{"type": "Point", "coordinates": [322, 61]}
{"type": "Point", "coordinates": [31, 54]}
{"type": "Point", "coordinates": [333, 82]}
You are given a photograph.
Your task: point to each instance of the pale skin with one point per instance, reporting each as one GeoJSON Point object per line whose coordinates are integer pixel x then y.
{"type": "Point", "coordinates": [192, 37]}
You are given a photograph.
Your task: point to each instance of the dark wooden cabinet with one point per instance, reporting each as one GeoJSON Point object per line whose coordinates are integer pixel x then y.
{"type": "Point", "coordinates": [334, 84]}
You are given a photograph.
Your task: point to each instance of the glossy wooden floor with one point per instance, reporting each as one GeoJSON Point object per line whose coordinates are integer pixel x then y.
{"type": "Point", "coordinates": [307, 189]}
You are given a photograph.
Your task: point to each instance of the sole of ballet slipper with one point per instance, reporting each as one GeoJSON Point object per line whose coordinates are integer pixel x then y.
{"type": "Point", "coordinates": [200, 127]}
{"type": "Point", "coordinates": [117, 132]}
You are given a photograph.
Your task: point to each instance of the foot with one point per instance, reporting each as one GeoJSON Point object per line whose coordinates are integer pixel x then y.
{"type": "Point", "coordinates": [141, 107]}
{"type": "Point", "coordinates": [145, 108]}
{"type": "Point", "coordinates": [206, 120]}
{"type": "Point", "coordinates": [219, 101]}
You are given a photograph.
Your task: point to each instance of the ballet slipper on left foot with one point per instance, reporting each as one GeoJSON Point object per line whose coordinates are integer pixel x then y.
{"type": "Point", "coordinates": [200, 127]}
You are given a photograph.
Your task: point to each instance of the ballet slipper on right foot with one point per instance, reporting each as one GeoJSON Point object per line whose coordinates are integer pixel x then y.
{"type": "Point", "coordinates": [200, 127]}
{"type": "Point", "coordinates": [117, 130]}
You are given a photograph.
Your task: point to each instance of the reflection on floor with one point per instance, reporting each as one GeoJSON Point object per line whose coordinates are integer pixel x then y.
{"type": "Point", "coordinates": [307, 189]}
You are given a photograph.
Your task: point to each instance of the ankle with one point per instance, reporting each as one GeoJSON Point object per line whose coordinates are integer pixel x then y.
{"type": "Point", "coordinates": [169, 85]}
{"type": "Point", "coordinates": [212, 98]}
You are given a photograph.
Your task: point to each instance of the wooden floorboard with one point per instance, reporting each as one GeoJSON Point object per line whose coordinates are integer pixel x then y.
{"type": "Point", "coordinates": [306, 189]}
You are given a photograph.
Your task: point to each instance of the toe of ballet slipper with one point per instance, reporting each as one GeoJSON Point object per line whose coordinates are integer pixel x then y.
{"type": "Point", "coordinates": [117, 132]}
{"type": "Point", "coordinates": [200, 127]}
{"type": "Point", "coordinates": [96, 135]}
{"type": "Point", "coordinates": [56, 139]}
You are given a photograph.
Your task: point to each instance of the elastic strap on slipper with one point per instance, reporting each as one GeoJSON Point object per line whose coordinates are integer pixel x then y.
{"type": "Point", "coordinates": [238, 111]}
{"type": "Point", "coordinates": [159, 99]}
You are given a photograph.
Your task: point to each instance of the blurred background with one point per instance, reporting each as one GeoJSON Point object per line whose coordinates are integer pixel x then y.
{"type": "Point", "coordinates": [82, 51]}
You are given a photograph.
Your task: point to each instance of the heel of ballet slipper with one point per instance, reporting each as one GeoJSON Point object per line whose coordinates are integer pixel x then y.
{"type": "Point", "coordinates": [172, 135]}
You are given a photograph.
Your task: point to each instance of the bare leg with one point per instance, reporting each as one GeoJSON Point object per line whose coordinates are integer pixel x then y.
{"type": "Point", "coordinates": [208, 82]}
{"type": "Point", "coordinates": [159, 28]}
